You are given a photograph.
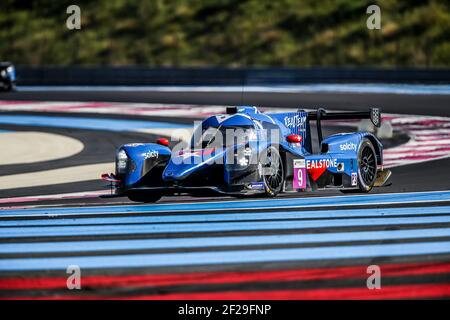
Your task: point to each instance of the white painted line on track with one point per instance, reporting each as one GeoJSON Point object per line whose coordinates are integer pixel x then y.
{"type": "Point", "coordinates": [62, 196]}
{"type": "Point", "coordinates": [55, 176]}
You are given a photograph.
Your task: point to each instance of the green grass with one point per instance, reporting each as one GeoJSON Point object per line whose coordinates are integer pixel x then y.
{"type": "Point", "coordinates": [189, 33]}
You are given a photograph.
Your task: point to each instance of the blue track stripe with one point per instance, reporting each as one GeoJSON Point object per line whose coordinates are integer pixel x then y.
{"type": "Point", "coordinates": [226, 257]}
{"type": "Point", "coordinates": [336, 201]}
{"type": "Point", "coordinates": [85, 123]}
{"type": "Point", "coordinates": [277, 215]}
{"type": "Point", "coordinates": [205, 242]}
{"type": "Point", "coordinates": [210, 227]}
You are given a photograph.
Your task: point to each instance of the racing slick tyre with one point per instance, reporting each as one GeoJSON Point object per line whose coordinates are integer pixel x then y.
{"type": "Point", "coordinates": [272, 171]}
{"type": "Point", "coordinates": [144, 197]}
{"type": "Point", "coordinates": [367, 167]}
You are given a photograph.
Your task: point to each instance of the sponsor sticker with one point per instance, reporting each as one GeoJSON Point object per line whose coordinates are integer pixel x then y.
{"type": "Point", "coordinates": [151, 154]}
{"type": "Point", "coordinates": [294, 121]}
{"type": "Point", "coordinates": [299, 163]}
{"type": "Point", "coordinates": [348, 146]}
{"type": "Point", "coordinates": [322, 163]}
{"type": "Point", "coordinates": [354, 179]}
{"type": "Point", "coordinates": [256, 185]}
{"type": "Point", "coordinates": [133, 144]}
{"type": "Point", "coordinates": [299, 181]}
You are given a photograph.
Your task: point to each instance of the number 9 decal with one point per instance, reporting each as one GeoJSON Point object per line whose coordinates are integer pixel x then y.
{"type": "Point", "coordinates": [300, 178]}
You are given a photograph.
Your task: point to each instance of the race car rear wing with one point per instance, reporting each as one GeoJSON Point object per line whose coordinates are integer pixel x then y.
{"type": "Point", "coordinates": [374, 114]}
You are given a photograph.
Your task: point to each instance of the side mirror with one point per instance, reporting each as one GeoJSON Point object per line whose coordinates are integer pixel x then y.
{"type": "Point", "coordinates": [294, 138]}
{"type": "Point", "coordinates": [163, 141]}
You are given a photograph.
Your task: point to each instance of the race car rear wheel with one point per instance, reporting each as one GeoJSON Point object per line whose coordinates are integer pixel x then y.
{"type": "Point", "coordinates": [144, 197]}
{"type": "Point", "coordinates": [272, 171]}
{"type": "Point", "coordinates": [367, 166]}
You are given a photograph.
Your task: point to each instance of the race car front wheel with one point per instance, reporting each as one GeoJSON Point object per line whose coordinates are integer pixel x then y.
{"type": "Point", "coordinates": [367, 166]}
{"type": "Point", "coordinates": [144, 197]}
{"type": "Point", "coordinates": [272, 171]}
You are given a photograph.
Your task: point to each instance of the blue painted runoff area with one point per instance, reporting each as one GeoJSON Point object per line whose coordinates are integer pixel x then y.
{"type": "Point", "coordinates": [205, 217]}
{"type": "Point", "coordinates": [239, 216]}
{"type": "Point", "coordinates": [287, 203]}
{"type": "Point", "coordinates": [226, 257]}
{"type": "Point", "coordinates": [204, 242]}
{"type": "Point", "coordinates": [87, 123]}
{"type": "Point", "coordinates": [165, 228]}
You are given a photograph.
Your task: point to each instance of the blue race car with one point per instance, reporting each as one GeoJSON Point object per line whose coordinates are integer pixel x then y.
{"type": "Point", "coordinates": [7, 76]}
{"type": "Point", "coordinates": [246, 152]}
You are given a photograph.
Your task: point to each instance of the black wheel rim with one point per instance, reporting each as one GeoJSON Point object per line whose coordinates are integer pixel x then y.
{"type": "Point", "coordinates": [275, 178]}
{"type": "Point", "coordinates": [367, 166]}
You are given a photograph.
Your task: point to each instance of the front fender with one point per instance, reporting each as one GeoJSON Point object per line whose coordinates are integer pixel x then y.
{"type": "Point", "coordinates": [143, 158]}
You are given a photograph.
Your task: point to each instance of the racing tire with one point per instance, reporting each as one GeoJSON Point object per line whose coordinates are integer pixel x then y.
{"type": "Point", "coordinates": [144, 197]}
{"type": "Point", "coordinates": [11, 87]}
{"type": "Point", "coordinates": [274, 181]}
{"type": "Point", "coordinates": [367, 167]}
{"type": "Point", "coordinates": [7, 87]}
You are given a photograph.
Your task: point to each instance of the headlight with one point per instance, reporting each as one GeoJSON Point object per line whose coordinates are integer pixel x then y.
{"type": "Point", "coordinates": [10, 69]}
{"type": "Point", "coordinates": [121, 160]}
{"type": "Point", "coordinates": [3, 73]}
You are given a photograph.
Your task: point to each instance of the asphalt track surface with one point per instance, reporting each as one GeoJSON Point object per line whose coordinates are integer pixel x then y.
{"type": "Point", "coordinates": [307, 246]}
